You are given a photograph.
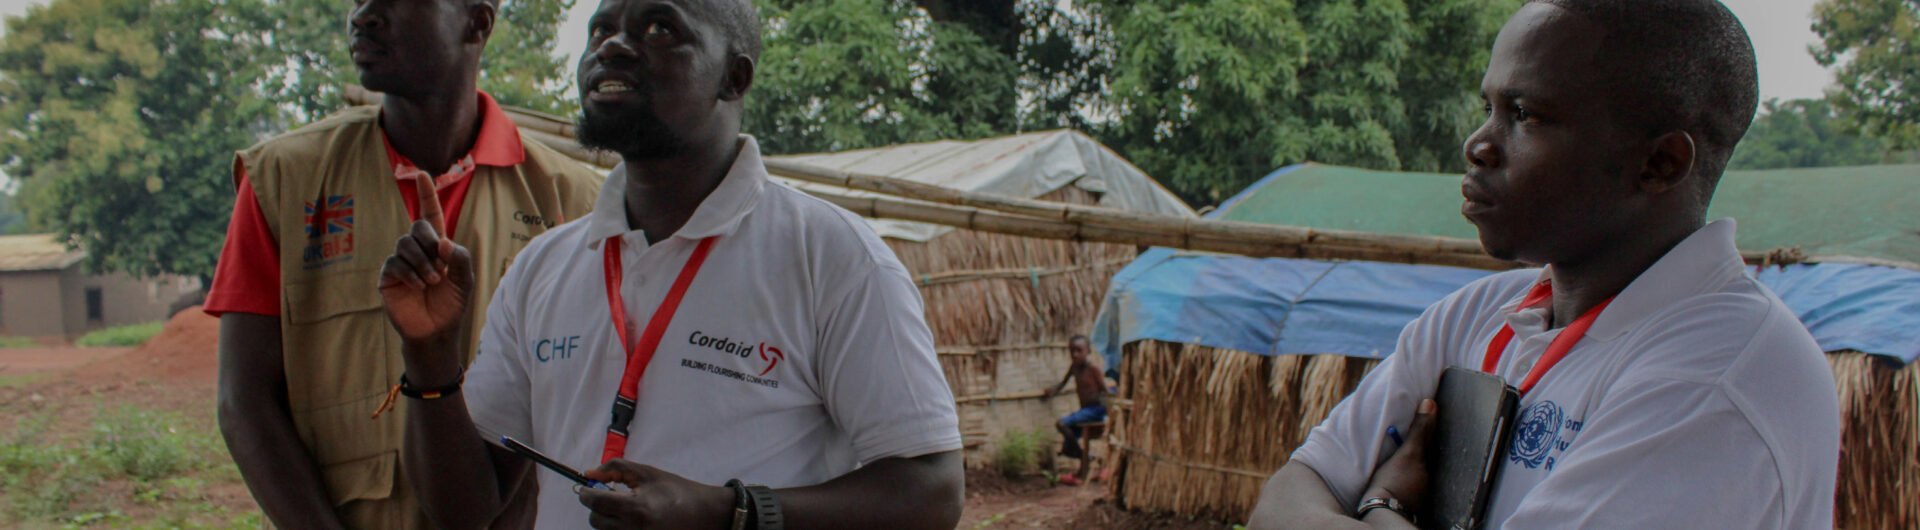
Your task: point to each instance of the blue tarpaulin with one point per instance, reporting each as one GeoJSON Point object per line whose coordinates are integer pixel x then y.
{"type": "Point", "coordinates": [1276, 306]}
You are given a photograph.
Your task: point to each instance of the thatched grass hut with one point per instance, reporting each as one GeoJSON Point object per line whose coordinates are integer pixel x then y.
{"type": "Point", "coordinates": [1226, 362]}
{"type": "Point", "coordinates": [1003, 306]}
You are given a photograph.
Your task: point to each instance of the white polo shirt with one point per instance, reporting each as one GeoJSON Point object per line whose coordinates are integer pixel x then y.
{"type": "Point", "coordinates": [859, 380]}
{"type": "Point", "coordinates": [1696, 400]}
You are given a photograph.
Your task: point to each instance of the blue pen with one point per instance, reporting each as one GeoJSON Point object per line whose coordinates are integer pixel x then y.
{"type": "Point", "coordinates": [1394, 434]}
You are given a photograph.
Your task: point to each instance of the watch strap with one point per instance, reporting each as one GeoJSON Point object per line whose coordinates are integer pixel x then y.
{"type": "Point", "coordinates": [766, 509]}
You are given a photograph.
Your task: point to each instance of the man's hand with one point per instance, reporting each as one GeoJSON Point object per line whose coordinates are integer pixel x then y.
{"type": "Point", "coordinates": [1404, 476]}
{"type": "Point", "coordinates": [427, 282]}
{"type": "Point", "coordinates": [655, 499]}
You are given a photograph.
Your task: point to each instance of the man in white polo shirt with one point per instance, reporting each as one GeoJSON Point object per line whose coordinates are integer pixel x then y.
{"type": "Point", "coordinates": [1661, 386]}
{"type": "Point", "coordinates": [736, 329]}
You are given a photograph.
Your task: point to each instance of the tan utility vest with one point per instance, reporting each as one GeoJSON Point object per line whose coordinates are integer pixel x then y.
{"type": "Point", "coordinates": [328, 194]}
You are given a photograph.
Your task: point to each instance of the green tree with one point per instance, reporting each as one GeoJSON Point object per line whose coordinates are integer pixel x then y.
{"type": "Point", "coordinates": [11, 220]}
{"type": "Point", "coordinates": [519, 67]}
{"type": "Point", "coordinates": [120, 117]}
{"type": "Point", "coordinates": [848, 74]}
{"type": "Point", "coordinates": [310, 65]}
{"type": "Point", "coordinates": [1206, 95]}
{"type": "Point", "coordinates": [1803, 133]}
{"type": "Point", "coordinates": [1203, 101]}
{"type": "Point", "coordinates": [1876, 45]}
{"type": "Point", "coordinates": [121, 128]}
{"type": "Point", "coordinates": [1213, 95]}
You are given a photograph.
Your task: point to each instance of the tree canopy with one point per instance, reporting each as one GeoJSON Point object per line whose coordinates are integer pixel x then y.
{"type": "Point", "coordinates": [1875, 45]}
{"type": "Point", "coordinates": [120, 128]}
{"type": "Point", "coordinates": [1804, 133]}
{"type": "Point", "coordinates": [119, 118]}
{"type": "Point", "coordinates": [1205, 95]}
{"type": "Point", "coordinates": [120, 125]}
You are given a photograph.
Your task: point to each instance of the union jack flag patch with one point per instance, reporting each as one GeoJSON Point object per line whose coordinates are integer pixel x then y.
{"type": "Point", "coordinates": [332, 216]}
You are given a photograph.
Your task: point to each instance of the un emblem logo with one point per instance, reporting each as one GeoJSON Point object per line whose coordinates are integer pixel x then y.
{"type": "Point", "coordinates": [1537, 433]}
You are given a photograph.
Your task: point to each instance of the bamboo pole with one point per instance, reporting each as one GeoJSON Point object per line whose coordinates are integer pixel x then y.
{"type": "Point", "coordinates": [1107, 225]}
{"type": "Point", "coordinates": [987, 221]}
{"type": "Point", "coordinates": [1415, 248]}
{"type": "Point", "coordinates": [1189, 465]}
{"type": "Point", "coordinates": [1096, 215]}
{"type": "Point", "coordinates": [1004, 397]}
{"type": "Point", "coordinates": [961, 276]}
{"type": "Point", "coordinates": [970, 351]}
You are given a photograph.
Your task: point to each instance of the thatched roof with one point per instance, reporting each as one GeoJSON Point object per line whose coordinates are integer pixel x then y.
{"type": "Point", "coordinates": [36, 252]}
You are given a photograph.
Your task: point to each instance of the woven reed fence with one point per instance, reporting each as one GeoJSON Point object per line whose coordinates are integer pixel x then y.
{"type": "Point", "coordinates": [1198, 430]}
{"type": "Point", "coordinates": [1002, 308]}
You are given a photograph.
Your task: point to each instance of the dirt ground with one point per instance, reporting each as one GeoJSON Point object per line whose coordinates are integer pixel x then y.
{"type": "Point", "coordinates": [65, 389]}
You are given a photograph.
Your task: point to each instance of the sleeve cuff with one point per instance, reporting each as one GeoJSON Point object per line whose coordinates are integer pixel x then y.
{"type": "Point", "coordinates": [922, 438]}
{"type": "Point", "coordinates": [221, 305]}
{"type": "Point", "coordinates": [1313, 455]}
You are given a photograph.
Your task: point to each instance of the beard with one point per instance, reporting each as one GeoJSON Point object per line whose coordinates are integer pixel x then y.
{"type": "Point", "coordinates": [636, 133]}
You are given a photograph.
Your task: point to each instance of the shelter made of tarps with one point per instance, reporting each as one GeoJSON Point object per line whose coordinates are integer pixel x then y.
{"type": "Point", "coordinates": [1289, 306]}
{"type": "Point", "coordinates": [1839, 214]}
{"type": "Point", "coordinates": [1025, 165]}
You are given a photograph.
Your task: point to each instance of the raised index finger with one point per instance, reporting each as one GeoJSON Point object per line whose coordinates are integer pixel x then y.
{"type": "Point", "coordinates": [428, 201]}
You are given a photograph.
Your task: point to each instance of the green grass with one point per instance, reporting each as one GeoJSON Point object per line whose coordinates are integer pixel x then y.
{"type": "Point", "coordinates": [143, 444]}
{"type": "Point", "coordinates": [18, 342]}
{"type": "Point", "coordinates": [131, 335]}
{"type": "Point", "coordinates": [166, 461]}
{"type": "Point", "coordinates": [10, 381]}
{"type": "Point", "coordinates": [1019, 452]}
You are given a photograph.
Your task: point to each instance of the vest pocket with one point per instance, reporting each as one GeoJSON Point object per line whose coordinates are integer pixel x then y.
{"type": "Point", "coordinates": [341, 356]}
{"type": "Point", "coordinates": [334, 294]}
{"type": "Point", "coordinates": [364, 479]}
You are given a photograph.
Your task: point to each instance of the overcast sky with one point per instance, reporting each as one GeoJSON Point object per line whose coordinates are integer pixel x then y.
{"type": "Point", "coordinates": [1779, 28]}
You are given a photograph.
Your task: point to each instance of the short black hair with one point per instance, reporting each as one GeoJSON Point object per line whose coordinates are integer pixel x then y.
{"type": "Point", "coordinates": [1678, 65]}
{"type": "Point", "coordinates": [1078, 338]}
{"type": "Point", "coordinates": [740, 20]}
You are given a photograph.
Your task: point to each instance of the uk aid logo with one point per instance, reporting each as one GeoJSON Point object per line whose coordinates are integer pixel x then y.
{"type": "Point", "coordinates": [329, 226]}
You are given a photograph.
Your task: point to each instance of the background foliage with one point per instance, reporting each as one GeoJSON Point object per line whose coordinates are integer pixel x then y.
{"type": "Point", "coordinates": [118, 117]}
{"type": "Point", "coordinates": [1205, 95]}
{"type": "Point", "coordinates": [1874, 48]}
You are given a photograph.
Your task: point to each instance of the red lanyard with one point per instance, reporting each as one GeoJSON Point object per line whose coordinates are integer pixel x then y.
{"type": "Point", "coordinates": [1556, 350]}
{"type": "Point", "coordinates": [639, 354]}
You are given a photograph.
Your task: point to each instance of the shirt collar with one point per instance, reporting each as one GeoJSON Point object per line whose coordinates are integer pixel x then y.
{"type": "Point", "coordinates": [718, 215]}
{"type": "Point", "coordinates": [498, 143]}
{"type": "Point", "coordinates": [1701, 263]}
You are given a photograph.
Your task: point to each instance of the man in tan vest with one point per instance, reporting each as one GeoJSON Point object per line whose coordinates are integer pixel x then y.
{"type": "Point", "coordinates": [306, 355]}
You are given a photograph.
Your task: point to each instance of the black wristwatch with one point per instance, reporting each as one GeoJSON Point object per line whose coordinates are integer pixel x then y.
{"type": "Point", "coordinates": [755, 508]}
{"type": "Point", "coordinates": [1383, 503]}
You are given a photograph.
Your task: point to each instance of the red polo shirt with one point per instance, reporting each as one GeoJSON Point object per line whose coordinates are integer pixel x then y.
{"type": "Point", "coordinates": [247, 279]}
